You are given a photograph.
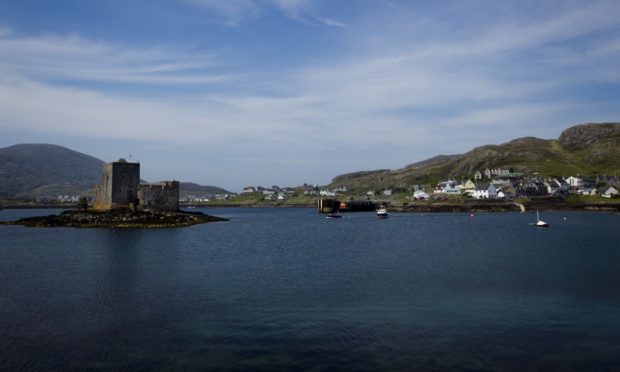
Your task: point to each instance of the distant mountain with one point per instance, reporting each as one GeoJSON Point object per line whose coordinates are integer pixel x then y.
{"type": "Point", "coordinates": [29, 170]}
{"type": "Point", "coordinates": [37, 170]}
{"type": "Point", "coordinates": [188, 188]}
{"type": "Point", "coordinates": [582, 149]}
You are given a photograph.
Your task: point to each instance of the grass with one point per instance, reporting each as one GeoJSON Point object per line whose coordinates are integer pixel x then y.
{"type": "Point", "coordinates": [258, 199]}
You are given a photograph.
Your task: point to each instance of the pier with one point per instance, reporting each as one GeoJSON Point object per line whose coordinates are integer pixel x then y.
{"type": "Point", "coordinates": [329, 205]}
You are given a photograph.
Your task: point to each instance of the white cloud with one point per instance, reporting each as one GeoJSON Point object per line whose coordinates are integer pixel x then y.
{"type": "Point", "coordinates": [73, 58]}
{"type": "Point", "coordinates": [331, 22]}
{"type": "Point", "coordinates": [233, 11]}
{"type": "Point", "coordinates": [401, 101]}
{"type": "Point", "coordinates": [236, 12]}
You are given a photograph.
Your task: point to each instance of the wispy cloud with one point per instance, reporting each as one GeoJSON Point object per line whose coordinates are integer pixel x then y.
{"type": "Point", "coordinates": [331, 22]}
{"type": "Point", "coordinates": [404, 90]}
{"type": "Point", "coordinates": [75, 59]}
{"type": "Point", "coordinates": [235, 12]}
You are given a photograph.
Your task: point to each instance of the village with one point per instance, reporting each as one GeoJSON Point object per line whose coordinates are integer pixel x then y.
{"type": "Point", "coordinates": [484, 184]}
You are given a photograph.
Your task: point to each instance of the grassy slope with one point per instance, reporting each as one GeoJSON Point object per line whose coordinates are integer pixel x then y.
{"type": "Point", "coordinates": [527, 155]}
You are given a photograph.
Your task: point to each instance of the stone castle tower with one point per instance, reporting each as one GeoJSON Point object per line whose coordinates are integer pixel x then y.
{"type": "Point", "coordinates": [120, 188]}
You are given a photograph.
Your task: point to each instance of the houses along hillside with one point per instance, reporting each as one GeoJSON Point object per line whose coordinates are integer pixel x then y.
{"type": "Point", "coordinates": [586, 149]}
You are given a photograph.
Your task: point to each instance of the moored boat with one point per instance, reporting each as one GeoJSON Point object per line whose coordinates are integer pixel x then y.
{"type": "Point", "coordinates": [334, 215]}
{"type": "Point", "coordinates": [539, 222]}
{"type": "Point", "coordinates": [382, 212]}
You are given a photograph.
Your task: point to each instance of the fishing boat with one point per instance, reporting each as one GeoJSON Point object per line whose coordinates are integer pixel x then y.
{"type": "Point", "coordinates": [382, 212]}
{"type": "Point", "coordinates": [539, 222]}
{"type": "Point", "coordinates": [334, 215]}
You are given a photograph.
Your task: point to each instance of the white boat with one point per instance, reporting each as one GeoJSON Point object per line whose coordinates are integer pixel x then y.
{"type": "Point", "coordinates": [334, 215]}
{"type": "Point", "coordinates": [382, 212]}
{"type": "Point", "coordinates": [539, 222]}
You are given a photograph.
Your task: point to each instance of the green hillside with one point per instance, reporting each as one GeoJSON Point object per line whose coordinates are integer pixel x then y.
{"type": "Point", "coordinates": [588, 149]}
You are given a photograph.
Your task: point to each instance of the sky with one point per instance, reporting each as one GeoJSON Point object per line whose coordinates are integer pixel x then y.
{"type": "Point", "coordinates": [233, 93]}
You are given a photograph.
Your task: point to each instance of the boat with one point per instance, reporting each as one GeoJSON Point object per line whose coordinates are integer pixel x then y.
{"type": "Point", "coordinates": [539, 222]}
{"type": "Point", "coordinates": [334, 215]}
{"type": "Point", "coordinates": [382, 212]}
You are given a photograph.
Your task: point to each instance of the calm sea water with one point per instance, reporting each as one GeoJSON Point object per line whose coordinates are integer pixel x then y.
{"type": "Point", "coordinates": [287, 289]}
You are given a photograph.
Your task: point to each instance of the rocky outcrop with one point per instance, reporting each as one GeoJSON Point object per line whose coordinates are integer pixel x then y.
{"type": "Point", "coordinates": [117, 219]}
{"type": "Point", "coordinates": [581, 136]}
{"type": "Point", "coordinates": [343, 178]}
{"type": "Point", "coordinates": [439, 159]}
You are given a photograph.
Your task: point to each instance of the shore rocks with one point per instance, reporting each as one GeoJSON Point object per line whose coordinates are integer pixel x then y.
{"type": "Point", "coordinates": [117, 219]}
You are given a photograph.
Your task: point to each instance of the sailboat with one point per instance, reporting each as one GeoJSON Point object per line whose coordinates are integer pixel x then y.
{"type": "Point", "coordinates": [539, 222]}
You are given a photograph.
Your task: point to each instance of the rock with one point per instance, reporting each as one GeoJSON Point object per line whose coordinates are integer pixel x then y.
{"type": "Point", "coordinates": [117, 219]}
{"type": "Point", "coordinates": [581, 136]}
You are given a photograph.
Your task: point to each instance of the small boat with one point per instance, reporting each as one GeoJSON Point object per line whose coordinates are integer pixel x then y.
{"type": "Point", "coordinates": [382, 212]}
{"type": "Point", "coordinates": [334, 215]}
{"type": "Point", "coordinates": [539, 222]}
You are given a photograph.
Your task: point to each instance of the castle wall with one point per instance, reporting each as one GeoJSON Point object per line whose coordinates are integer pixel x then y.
{"type": "Point", "coordinates": [103, 191]}
{"type": "Point", "coordinates": [125, 181]}
{"type": "Point", "coordinates": [162, 196]}
{"type": "Point", "coordinates": [118, 186]}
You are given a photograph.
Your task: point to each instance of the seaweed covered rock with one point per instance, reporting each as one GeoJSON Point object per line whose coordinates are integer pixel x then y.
{"type": "Point", "coordinates": [117, 219]}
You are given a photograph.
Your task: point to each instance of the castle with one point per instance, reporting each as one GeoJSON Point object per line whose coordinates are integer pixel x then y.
{"type": "Point", "coordinates": [120, 188]}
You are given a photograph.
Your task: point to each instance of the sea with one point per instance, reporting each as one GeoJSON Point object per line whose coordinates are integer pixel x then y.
{"type": "Point", "coordinates": [287, 289]}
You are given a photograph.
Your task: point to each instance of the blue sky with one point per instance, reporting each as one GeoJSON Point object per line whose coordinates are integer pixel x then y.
{"type": "Point", "coordinates": [246, 92]}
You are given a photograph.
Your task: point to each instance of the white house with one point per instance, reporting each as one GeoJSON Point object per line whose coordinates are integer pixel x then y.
{"type": "Point", "coordinates": [452, 190]}
{"type": "Point", "coordinates": [387, 192]}
{"type": "Point", "coordinates": [420, 195]}
{"type": "Point", "coordinates": [485, 191]}
{"type": "Point", "coordinates": [248, 190]}
{"type": "Point", "coordinates": [447, 187]}
{"type": "Point", "coordinates": [575, 181]}
{"type": "Point", "coordinates": [326, 192]}
{"type": "Point", "coordinates": [609, 192]}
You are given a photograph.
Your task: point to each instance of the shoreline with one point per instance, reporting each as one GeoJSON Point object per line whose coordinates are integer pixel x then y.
{"type": "Point", "coordinates": [446, 207]}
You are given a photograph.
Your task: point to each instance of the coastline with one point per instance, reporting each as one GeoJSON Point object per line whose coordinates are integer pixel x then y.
{"type": "Point", "coordinates": [414, 207]}
{"type": "Point", "coordinates": [507, 207]}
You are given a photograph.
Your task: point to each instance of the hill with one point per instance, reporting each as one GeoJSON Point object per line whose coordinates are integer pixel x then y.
{"type": "Point", "coordinates": [583, 149]}
{"type": "Point", "coordinates": [30, 170]}
{"type": "Point", "coordinates": [45, 170]}
{"type": "Point", "coordinates": [188, 188]}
